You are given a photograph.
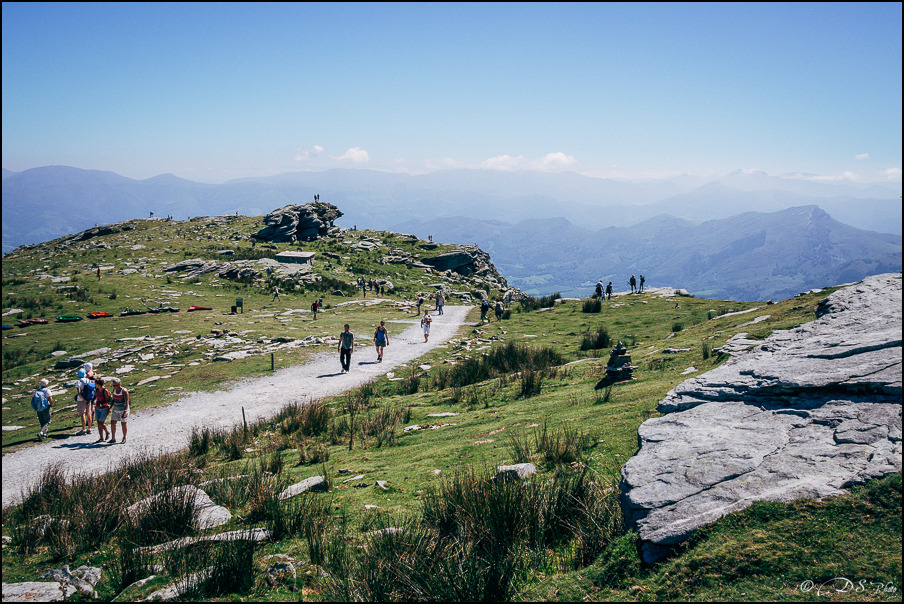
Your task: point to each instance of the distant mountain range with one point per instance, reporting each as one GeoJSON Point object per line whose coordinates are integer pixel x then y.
{"type": "Point", "coordinates": [751, 256]}
{"type": "Point", "coordinates": [683, 231]}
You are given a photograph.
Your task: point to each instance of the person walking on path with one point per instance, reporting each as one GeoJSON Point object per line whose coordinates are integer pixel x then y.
{"type": "Point", "coordinates": [346, 348]}
{"type": "Point", "coordinates": [484, 309]}
{"type": "Point", "coordinates": [425, 324]}
{"type": "Point", "coordinates": [102, 402]}
{"type": "Point", "coordinates": [314, 308]}
{"type": "Point", "coordinates": [609, 291]}
{"type": "Point", "coordinates": [642, 280]}
{"type": "Point", "coordinates": [499, 309]}
{"type": "Point", "coordinates": [599, 289]}
{"type": "Point", "coordinates": [119, 399]}
{"type": "Point", "coordinates": [633, 283]}
{"type": "Point", "coordinates": [381, 340]}
{"type": "Point", "coordinates": [419, 302]}
{"type": "Point", "coordinates": [98, 272]}
{"type": "Point", "coordinates": [41, 402]}
{"type": "Point", "coordinates": [275, 294]}
{"type": "Point", "coordinates": [84, 397]}
{"type": "Point", "coordinates": [440, 300]}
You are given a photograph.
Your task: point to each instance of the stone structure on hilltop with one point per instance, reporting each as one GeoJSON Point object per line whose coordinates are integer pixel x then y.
{"type": "Point", "coordinates": [300, 223]}
{"type": "Point", "coordinates": [808, 412]}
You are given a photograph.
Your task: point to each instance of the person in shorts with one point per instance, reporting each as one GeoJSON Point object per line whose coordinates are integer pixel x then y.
{"type": "Point", "coordinates": [381, 339]}
{"type": "Point", "coordinates": [83, 405]}
{"type": "Point", "coordinates": [425, 324]}
{"type": "Point", "coordinates": [102, 403]}
{"type": "Point", "coordinates": [119, 402]}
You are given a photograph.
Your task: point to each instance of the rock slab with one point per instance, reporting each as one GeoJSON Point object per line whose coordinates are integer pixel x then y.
{"type": "Point", "coordinates": [808, 412]}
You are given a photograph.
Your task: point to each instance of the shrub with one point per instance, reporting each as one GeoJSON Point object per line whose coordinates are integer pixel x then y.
{"type": "Point", "coordinates": [311, 419]}
{"type": "Point", "coordinates": [596, 341]}
{"type": "Point", "coordinates": [707, 350]}
{"type": "Point", "coordinates": [592, 305]}
{"type": "Point", "coordinates": [531, 383]}
{"type": "Point", "coordinates": [676, 327]}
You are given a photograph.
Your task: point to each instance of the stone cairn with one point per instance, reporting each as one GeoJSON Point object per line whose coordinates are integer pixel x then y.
{"type": "Point", "coordinates": [619, 368]}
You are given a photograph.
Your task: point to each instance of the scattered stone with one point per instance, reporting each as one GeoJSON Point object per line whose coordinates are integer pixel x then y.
{"type": "Point", "coordinates": [314, 484]}
{"type": "Point", "coordinates": [515, 472]}
{"type": "Point", "coordinates": [37, 591]}
{"type": "Point", "coordinates": [207, 513]}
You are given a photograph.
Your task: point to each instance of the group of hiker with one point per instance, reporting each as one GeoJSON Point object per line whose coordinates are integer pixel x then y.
{"type": "Point", "coordinates": [94, 402]}
{"type": "Point", "coordinates": [498, 309]}
{"type": "Point", "coordinates": [606, 291]}
{"type": "Point", "coordinates": [381, 341]}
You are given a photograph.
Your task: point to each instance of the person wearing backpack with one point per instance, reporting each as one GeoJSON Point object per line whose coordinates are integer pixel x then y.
{"type": "Point", "coordinates": [484, 308]}
{"type": "Point", "coordinates": [41, 402]}
{"type": "Point", "coordinates": [84, 399]}
{"type": "Point", "coordinates": [102, 402]}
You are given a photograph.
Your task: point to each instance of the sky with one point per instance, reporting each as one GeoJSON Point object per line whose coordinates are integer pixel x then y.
{"type": "Point", "coordinates": [215, 91]}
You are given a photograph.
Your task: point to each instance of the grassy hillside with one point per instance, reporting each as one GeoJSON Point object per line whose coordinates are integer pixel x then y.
{"type": "Point", "coordinates": [517, 390]}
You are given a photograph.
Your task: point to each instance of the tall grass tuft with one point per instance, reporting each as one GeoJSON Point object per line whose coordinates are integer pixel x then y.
{"type": "Point", "coordinates": [311, 419]}
{"type": "Point", "coordinates": [592, 305]}
{"type": "Point", "coordinates": [596, 341]}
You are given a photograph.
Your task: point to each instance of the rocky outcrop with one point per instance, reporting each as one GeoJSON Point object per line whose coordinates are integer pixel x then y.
{"type": "Point", "coordinates": [300, 223]}
{"type": "Point", "coordinates": [466, 260]}
{"type": "Point", "coordinates": [808, 412]}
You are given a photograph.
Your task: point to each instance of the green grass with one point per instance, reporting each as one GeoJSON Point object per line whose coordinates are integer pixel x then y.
{"type": "Point", "coordinates": [557, 421]}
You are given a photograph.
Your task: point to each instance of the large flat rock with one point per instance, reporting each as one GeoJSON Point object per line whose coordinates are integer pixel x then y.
{"type": "Point", "coordinates": [808, 412]}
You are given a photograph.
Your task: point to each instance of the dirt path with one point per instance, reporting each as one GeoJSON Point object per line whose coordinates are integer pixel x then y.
{"type": "Point", "coordinates": [165, 429]}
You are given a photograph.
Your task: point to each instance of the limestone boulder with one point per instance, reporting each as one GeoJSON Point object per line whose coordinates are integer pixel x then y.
{"type": "Point", "coordinates": [299, 222]}
{"type": "Point", "coordinates": [808, 412]}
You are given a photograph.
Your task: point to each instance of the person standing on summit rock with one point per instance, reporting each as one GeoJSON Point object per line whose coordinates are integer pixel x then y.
{"type": "Point", "coordinates": [633, 283]}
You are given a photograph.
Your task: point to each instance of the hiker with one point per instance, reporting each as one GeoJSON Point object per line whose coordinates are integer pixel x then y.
{"type": "Point", "coordinates": [633, 283]}
{"type": "Point", "coordinates": [269, 272]}
{"type": "Point", "coordinates": [642, 280]}
{"type": "Point", "coordinates": [119, 399]}
{"type": "Point", "coordinates": [381, 340]}
{"type": "Point", "coordinates": [419, 302]}
{"type": "Point", "coordinates": [41, 402]}
{"type": "Point", "coordinates": [98, 273]}
{"type": "Point", "coordinates": [499, 309]}
{"type": "Point", "coordinates": [84, 397]}
{"type": "Point", "coordinates": [484, 309]}
{"type": "Point", "coordinates": [346, 348]}
{"type": "Point", "coordinates": [425, 323]}
{"type": "Point", "coordinates": [101, 409]}
{"type": "Point", "coordinates": [599, 289]}
{"type": "Point", "coordinates": [440, 300]}
{"type": "Point", "coordinates": [275, 294]}
{"type": "Point", "coordinates": [314, 307]}
{"type": "Point", "coordinates": [609, 291]}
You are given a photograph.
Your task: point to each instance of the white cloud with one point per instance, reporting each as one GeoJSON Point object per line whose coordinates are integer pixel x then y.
{"type": "Point", "coordinates": [503, 162]}
{"type": "Point", "coordinates": [555, 161]}
{"type": "Point", "coordinates": [550, 162]}
{"type": "Point", "coordinates": [355, 155]}
{"type": "Point", "coordinates": [862, 156]}
{"type": "Point", "coordinates": [893, 174]}
{"type": "Point", "coordinates": [309, 154]}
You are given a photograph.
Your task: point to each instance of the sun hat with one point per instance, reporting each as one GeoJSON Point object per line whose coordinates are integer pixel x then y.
{"type": "Point", "coordinates": [81, 373]}
{"type": "Point", "coordinates": [44, 383]}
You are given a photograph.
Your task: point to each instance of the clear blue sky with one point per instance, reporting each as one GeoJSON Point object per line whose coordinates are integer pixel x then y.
{"type": "Point", "coordinates": [216, 91]}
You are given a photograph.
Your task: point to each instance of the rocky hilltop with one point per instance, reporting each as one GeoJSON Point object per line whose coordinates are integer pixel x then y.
{"type": "Point", "coordinates": [808, 412]}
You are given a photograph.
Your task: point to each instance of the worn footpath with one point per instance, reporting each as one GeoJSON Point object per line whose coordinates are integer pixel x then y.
{"type": "Point", "coordinates": [161, 430]}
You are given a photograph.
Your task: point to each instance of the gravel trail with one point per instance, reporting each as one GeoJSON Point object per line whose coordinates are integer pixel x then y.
{"type": "Point", "coordinates": [168, 428]}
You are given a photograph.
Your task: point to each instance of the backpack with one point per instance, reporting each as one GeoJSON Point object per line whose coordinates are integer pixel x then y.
{"type": "Point", "coordinates": [39, 400]}
{"type": "Point", "coordinates": [87, 391]}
